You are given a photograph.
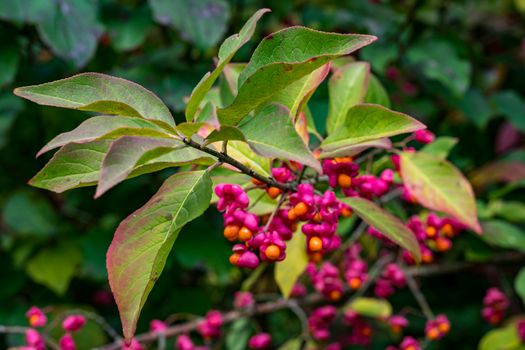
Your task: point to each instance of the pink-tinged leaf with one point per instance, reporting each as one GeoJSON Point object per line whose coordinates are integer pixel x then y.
{"type": "Point", "coordinates": [438, 185]}
{"type": "Point", "coordinates": [280, 60]}
{"type": "Point", "coordinates": [125, 154]}
{"type": "Point", "coordinates": [142, 242]}
{"type": "Point", "coordinates": [100, 93]}
{"type": "Point", "coordinates": [301, 126]}
{"type": "Point", "coordinates": [105, 127]}
{"type": "Point", "coordinates": [74, 165]}
{"type": "Point", "coordinates": [502, 171]}
{"type": "Point", "coordinates": [296, 95]}
{"type": "Point", "coordinates": [386, 223]}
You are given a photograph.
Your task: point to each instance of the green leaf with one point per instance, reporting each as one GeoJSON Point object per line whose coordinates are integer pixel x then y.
{"type": "Point", "coordinates": [100, 93]}
{"type": "Point", "coordinates": [239, 333]}
{"type": "Point", "coordinates": [228, 82]}
{"type": "Point", "coordinates": [10, 107]}
{"type": "Point", "coordinates": [439, 185]}
{"type": "Point", "coordinates": [28, 214]}
{"type": "Point", "coordinates": [297, 94]}
{"type": "Point", "coordinates": [226, 52]}
{"type": "Point", "coordinates": [54, 267]}
{"type": "Point", "coordinates": [125, 154]}
{"type": "Point", "coordinates": [353, 149]}
{"type": "Point", "coordinates": [371, 307]}
{"type": "Point", "coordinates": [72, 166]}
{"type": "Point", "coordinates": [512, 211]}
{"type": "Point", "coordinates": [450, 70]}
{"type": "Point", "coordinates": [9, 56]}
{"type": "Point", "coordinates": [242, 152]}
{"type": "Point", "coordinates": [283, 58]}
{"type": "Point", "coordinates": [202, 22]}
{"type": "Point", "coordinates": [72, 30]}
{"type": "Point", "coordinates": [368, 122]}
{"type": "Point", "coordinates": [288, 271]}
{"type": "Point", "coordinates": [271, 134]}
{"type": "Point", "coordinates": [511, 105]}
{"type": "Point", "coordinates": [105, 127]}
{"type": "Point", "coordinates": [129, 34]}
{"type": "Point", "coordinates": [376, 93]}
{"type": "Point", "coordinates": [347, 87]}
{"type": "Point", "coordinates": [25, 10]}
{"type": "Point", "coordinates": [504, 235]}
{"type": "Point", "coordinates": [475, 107]}
{"type": "Point", "coordinates": [386, 223]}
{"type": "Point", "coordinates": [519, 284]}
{"type": "Point", "coordinates": [226, 133]}
{"type": "Point", "coordinates": [140, 247]}
{"type": "Point", "coordinates": [292, 344]}
{"type": "Point", "coordinates": [504, 338]}
{"type": "Point", "coordinates": [441, 147]}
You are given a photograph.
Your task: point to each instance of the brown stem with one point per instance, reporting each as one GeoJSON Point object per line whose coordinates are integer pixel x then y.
{"type": "Point", "coordinates": [225, 158]}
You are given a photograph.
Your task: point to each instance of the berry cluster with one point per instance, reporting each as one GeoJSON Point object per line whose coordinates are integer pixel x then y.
{"type": "Point", "coordinates": [437, 328]}
{"type": "Point", "coordinates": [38, 319]}
{"type": "Point", "coordinates": [495, 304]}
{"type": "Point", "coordinates": [391, 278]}
{"type": "Point", "coordinates": [319, 214]}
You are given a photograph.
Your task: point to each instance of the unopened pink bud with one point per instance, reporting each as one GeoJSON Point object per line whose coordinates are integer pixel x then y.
{"type": "Point", "coordinates": [157, 326]}
{"type": "Point", "coordinates": [66, 342]}
{"type": "Point", "coordinates": [73, 323]}
{"type": "Point", "coordinates": [260, 341]}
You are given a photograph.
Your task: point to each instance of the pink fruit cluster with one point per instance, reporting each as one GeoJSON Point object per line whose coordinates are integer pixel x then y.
{"type": "Point", "coordinates": [391, 278]}
{"type": "Point", "coordinates": [37, 319]}
{"type": "Point", "coordinates": [319, 214]}
{"type": "Point", "coordinates": [326, 280]}
{"type": "Point", "coordinates": [495, 305]}
{"type": "Point", "coordinates": [437, 328]}
{"type": "Point", "coordinates": [355, 269]}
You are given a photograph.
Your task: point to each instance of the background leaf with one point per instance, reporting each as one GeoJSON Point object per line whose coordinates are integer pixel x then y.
{"type": "Point", "coordinates": [202, 22]}
{"type": "Point", "coordinates": [72, 30]}
{"type": "Point", "coordinates": [54, 267]}
{"type": "Point", "coordinates": [371, 307]}
{"type": "Point", "coordinates": [502, 234]}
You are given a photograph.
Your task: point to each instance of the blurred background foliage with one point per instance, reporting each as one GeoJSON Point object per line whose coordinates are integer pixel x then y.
{"type": "Point", "coordinates": [458, 66]}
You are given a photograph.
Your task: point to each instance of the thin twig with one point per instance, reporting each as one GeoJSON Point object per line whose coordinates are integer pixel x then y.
{"type": "Point", "coordinates": [420, 298]}
{"type": "Point", "coordinates": [225, 158]}
{"type": "Point", "coordinates": [277, 208]}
